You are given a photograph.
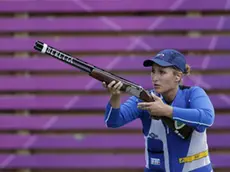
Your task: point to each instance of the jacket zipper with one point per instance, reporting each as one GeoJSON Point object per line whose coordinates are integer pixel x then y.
{"type": "Point", "coordinates": [169, 152]}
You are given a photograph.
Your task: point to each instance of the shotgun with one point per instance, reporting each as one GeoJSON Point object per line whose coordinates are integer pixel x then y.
{"type": "Point", "coordinates": [102, 75]}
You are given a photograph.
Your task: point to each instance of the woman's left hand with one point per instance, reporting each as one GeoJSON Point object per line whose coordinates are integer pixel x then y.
{"type": "Point", "coordinates": [156, 108]}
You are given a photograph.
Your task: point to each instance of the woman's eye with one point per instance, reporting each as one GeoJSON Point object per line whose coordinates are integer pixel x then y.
{"type": "Point", "coordinates": [162, 72]}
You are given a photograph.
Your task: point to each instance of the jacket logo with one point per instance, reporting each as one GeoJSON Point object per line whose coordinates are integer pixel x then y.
{"type": "Point", "coordinates": [178, 125]}
{"type": "Point", "coordinates": [160, 55]}
{"type": "Point", "coordinates": [153, 135]}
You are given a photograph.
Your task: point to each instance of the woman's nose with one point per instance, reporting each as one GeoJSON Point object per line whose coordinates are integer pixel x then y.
{"type": "Point", "coordinates": [154, 77]}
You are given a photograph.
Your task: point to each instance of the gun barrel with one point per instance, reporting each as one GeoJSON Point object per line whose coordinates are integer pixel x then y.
{"type": "Point", "coordinates": [46, 49]}
{"type": "Point", "coordinates": [40, 46]}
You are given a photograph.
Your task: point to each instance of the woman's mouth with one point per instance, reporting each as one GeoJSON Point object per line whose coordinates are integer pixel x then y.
{"type": "Point", "coordinates": [156, 85]}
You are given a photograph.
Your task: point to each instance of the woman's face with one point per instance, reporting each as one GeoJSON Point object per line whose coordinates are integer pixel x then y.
{"type": "Point", "coordinates": [164, 79]}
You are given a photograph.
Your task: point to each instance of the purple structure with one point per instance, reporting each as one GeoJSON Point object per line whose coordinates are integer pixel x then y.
{"type": "Point", "coordinates": [55, 113]}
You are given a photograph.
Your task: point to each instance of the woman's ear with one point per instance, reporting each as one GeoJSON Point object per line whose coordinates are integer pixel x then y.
{"type": "Point", "coordinates": [178, 76]}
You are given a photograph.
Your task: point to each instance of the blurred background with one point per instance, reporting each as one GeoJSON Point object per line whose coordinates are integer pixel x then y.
{"type": "Point", "coordinates": [52, 114]}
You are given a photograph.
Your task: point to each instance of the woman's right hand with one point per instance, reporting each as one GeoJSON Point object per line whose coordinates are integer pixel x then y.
{"type": "Point", "coordinates": [113, 87]}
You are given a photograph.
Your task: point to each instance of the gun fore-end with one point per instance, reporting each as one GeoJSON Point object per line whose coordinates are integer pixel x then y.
{"type": "Point", "coordinates": [105, 78]}
{"type": "Point", "coordinates": [127, 87]}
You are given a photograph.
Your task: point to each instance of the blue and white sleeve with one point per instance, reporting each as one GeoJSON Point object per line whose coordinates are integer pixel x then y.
{"type": "Point", "coordinates": [201, 113]}
{"type": "Point", "coordinates": [127, 112]}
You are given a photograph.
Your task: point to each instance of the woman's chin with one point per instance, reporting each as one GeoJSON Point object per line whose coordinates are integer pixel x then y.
{"type": "Point", "coordinates": [157, 89]}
